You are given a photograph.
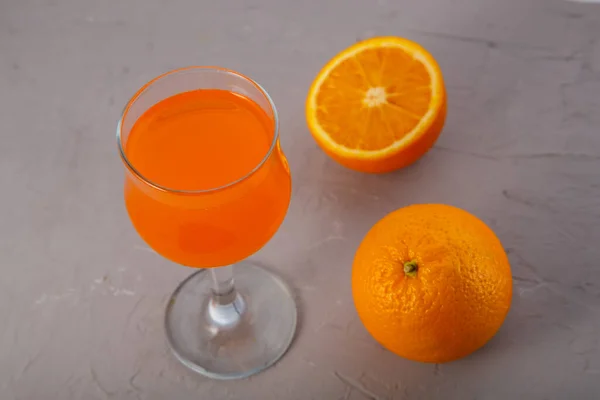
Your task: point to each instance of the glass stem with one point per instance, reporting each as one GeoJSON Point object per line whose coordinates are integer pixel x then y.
{"type": "Point", "coordinates": [226, 306]}
{"type": "Point", "coordinates": [222, 281]}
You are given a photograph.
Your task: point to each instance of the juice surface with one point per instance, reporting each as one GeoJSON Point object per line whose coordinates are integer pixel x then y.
{"type": "Point", "coordinates": [200, 140]}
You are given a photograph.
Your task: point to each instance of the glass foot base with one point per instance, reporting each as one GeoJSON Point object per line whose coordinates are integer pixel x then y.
{"type": "Point", "coordinates": [263, 333]}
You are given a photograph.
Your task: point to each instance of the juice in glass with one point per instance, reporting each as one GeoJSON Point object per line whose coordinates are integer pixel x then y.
{"type": "Point", "coordinates": [201, 140]}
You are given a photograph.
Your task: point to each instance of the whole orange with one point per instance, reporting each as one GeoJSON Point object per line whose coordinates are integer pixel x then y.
{"type": "Point", "coordinates": [431, 283]}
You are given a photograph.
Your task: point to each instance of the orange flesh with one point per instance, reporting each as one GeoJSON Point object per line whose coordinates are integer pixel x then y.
{"type": "Point", "coordinates": [351, 107]}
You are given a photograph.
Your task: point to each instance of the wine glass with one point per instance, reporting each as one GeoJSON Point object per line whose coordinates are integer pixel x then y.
{"type": "Point", "coordinates": [206, 186]}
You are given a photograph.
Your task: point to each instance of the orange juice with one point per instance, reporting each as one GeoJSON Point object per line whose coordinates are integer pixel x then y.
{"type": "Point", "coordinates": [207, 147]}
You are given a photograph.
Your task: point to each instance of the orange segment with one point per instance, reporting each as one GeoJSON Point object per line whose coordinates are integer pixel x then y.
{"type": "Point", "coordinates": [378, 105]}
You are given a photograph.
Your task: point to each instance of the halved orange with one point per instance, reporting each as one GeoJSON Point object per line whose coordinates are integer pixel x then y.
{"type": "Point", "coordinates": [379, 105]}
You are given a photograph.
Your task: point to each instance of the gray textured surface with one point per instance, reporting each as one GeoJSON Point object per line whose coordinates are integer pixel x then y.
{"type": "Point", "coordinates": [81, 296]}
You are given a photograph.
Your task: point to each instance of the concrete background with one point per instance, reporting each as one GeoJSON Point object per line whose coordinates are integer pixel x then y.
{"type": "Point", "coordinates": [82, 297]}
